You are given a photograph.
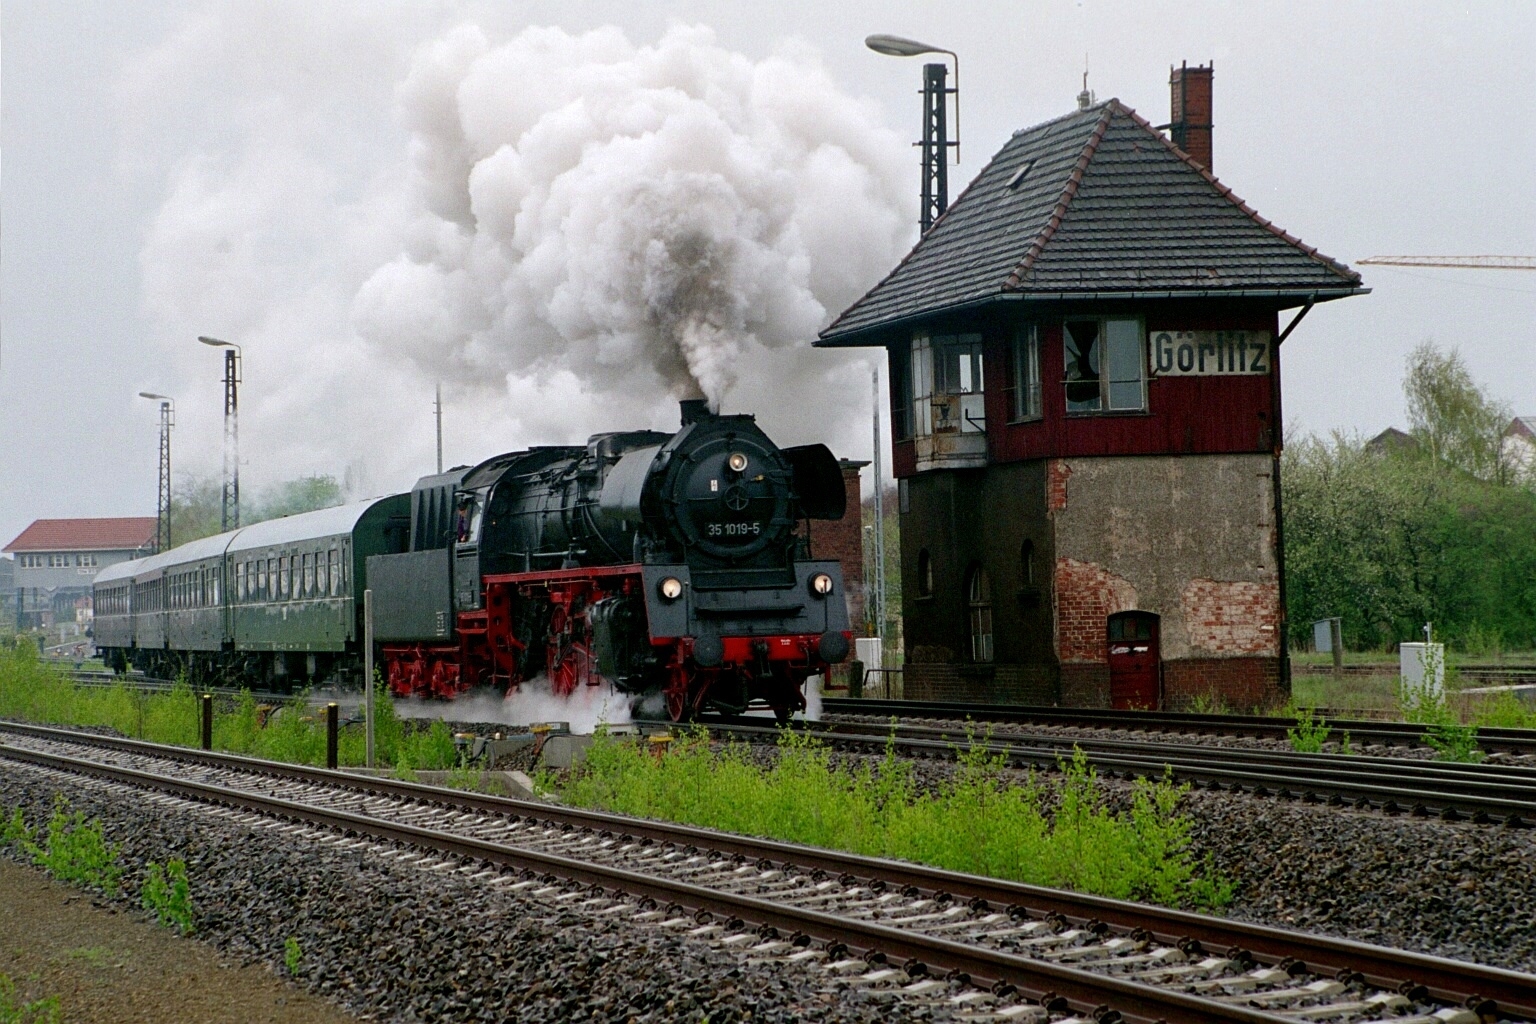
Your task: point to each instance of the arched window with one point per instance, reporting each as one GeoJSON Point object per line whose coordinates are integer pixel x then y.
{"type": "Point", "coordinates": [980, 593]}
{"type": "Point", "coordinates": [924, 573]}
{"type": "Point", "coordinates": [1027, 564]}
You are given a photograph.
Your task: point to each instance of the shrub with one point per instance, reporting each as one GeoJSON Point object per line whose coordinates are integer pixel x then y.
{"type": "Point", "coordinates": [168, 896]}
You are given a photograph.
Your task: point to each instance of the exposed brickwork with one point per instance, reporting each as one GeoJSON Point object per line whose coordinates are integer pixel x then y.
{"type": "Point", "coordinates": [1242, 684]}
{"type": "Point", "coordinates": [1231, 618]}
{"type": "Point", "coordinates": [1004, 684]}
{"type": "Point", "coordinates": [1086, 595]}
{"type": "Point", "coordinates": [843, 539]}
{"type": "Point", "coordinates": [1057, 472]}
{"type": "Point", "coordinates": [1085, 686]}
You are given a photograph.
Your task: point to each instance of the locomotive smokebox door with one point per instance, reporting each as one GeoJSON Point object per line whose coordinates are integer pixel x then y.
{"type": "Point", "coordinates": [1135, 662]}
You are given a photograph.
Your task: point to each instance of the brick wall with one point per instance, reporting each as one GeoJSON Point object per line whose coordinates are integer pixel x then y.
{"type": "Point", "coordinates": [843, 539]}
{"type": "Point", "coordinates": [1242, 684]}
{"type": "Point", "coordinates": [999, 684]}
{"type": "Point", "coordinates": [1085, 686]}
{"type": "Point", "coordinates": [1086, 595]}
{"type": "Point", "coordinates": [1057, 473]}
{"type": "Point", "coordinates": [1232, 618]}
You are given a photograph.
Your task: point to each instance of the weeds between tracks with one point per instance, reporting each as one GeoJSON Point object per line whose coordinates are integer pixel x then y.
{"type": "Point", "coordinates": [290, 731]}
{"type": "Point", "coordinates": [976, 821]}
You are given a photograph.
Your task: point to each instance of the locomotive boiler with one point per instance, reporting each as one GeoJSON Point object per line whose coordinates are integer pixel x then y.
{"type": "Point", "coordinates": [672, 564]}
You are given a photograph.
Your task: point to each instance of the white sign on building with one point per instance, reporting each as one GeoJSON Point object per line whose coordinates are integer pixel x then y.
{"type": "Point", "coordinates": [1210, 353]}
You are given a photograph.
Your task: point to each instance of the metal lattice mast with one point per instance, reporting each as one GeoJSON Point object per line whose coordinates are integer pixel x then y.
{"type": "Point", "coordinates": [163, 502]}
{"type": "Point", "coordinates": [935, 144]}
{"type": "Point", "coordinates": [229, 517]}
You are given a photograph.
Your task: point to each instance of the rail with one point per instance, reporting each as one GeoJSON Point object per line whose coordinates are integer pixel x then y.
{"type": "Point", "coordinates": [1267, 965]}
{"type": "Point", "coordinates": [1519, 741]}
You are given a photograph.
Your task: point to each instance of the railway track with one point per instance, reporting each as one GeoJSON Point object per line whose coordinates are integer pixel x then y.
{"type": "Point", "coordinates": [970, 948]}
{"type": "Point", "coordinates": [1487, 794]}
{"type": "Point", "coordinates": [1407, 734]}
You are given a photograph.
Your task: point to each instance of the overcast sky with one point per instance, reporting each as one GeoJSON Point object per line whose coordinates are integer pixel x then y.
{"type": "Point", "coordinates": [372, 197]}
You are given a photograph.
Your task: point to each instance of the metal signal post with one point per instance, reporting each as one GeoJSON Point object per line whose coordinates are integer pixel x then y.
{"type": "Point", "coordinates": [163, 498]}
{"type": "Point", "coordinates": [229, 513]}
{"type": "Point", "coordinates": [936, 142]}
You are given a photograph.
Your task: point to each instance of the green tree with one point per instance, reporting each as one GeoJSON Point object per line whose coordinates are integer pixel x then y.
{"type": "Point", "coordinates": [1454, 420]}
{"type": "Point", "coordinates": [198, 502]}
{"type": "Point", "coordinates": [303, 494]}
{"type": "Point", "coordinates": [196, 505]}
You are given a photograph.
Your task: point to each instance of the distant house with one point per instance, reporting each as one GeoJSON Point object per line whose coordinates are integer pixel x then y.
{"type": "Point", "coordinates": [1520, 447]}
{"type": "Point", "coordinates": [7, 589]}
{"type": "Point", "coordinates": [57, 559]}
{"type": "Point", "coordinates": [1392, 442]}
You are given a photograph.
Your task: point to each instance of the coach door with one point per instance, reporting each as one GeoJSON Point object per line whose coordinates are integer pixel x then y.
{"type": "Point", "coordinates": [1135, 663]}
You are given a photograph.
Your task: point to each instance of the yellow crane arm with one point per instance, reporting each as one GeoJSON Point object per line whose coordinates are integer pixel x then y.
{"type": "Point", "coordinates": [1472, 262]}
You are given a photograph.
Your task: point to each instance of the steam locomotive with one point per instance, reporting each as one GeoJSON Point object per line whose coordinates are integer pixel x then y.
{"type": "Point", "coordinates": [666, 565]}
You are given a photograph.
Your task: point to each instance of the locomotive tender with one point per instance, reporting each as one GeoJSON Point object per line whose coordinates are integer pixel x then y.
{"type": "Point", "coordinates": [668, 564]}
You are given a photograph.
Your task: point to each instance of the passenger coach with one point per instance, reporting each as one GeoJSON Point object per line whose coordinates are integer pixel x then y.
{"type": "Point", "coordinates": [279, 602]}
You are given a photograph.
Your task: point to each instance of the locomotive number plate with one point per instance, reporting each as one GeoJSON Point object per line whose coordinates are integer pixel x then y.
{"type": "Point", "coordinates": [751, 529]}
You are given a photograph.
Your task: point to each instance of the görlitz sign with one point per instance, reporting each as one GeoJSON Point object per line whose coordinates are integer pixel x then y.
{"type": "Point", "coordinates": [1209, 353]}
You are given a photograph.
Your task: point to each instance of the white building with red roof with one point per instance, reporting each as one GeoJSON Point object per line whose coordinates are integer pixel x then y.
{"type": "Point", "coordinates": [57, 559]}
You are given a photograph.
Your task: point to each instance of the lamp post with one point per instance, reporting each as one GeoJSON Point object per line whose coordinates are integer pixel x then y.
{"type": "Point", "coordinates": [163, 497]}
{"type": "Point", "coordinates": [935, 141]}
{"type": "Point", "coordinates": [229, 511]}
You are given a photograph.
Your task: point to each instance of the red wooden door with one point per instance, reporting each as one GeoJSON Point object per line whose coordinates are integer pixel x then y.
{"type": "Point", "coordinates": [1135, 662]}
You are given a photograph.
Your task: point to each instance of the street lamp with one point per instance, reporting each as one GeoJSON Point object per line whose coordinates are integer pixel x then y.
{"type": "Point", "coordinates": [935, 141]}
{"type": "Point", "coordinates": [229, 511]}
{"type": "Point", "coordinates": [163, 496]}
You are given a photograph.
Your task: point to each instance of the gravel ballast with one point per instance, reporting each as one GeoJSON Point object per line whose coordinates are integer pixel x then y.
{"type": "Point", "coordinates": [1452, 889]}
{"type": "Point", "coordinates": [396, 942]}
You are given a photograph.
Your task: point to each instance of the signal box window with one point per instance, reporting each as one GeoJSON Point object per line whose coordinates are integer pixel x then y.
{"type": "Point", "coordinates": [946, 385]}
{"type": "Point", "coordinates": [981, 615]}
{"type": "Point", "coordinates": [1024, 376]}
{"type": "Point", "coordinates": [924, 573]}
{"type": "Point", "coordinates": [1105, 366]}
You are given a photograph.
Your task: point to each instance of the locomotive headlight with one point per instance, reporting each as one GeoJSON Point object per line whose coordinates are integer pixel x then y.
{"type": "Point", "coordinates": [737, 462]}
{"type": "Point", "coordinates": [821, 584]}
{"type": "Point", "coordinates": [670, 588]}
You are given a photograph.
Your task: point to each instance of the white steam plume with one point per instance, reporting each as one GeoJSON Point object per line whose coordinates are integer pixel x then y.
{"type": "Point", "coordinates": [627, 213]}
{"type": "Point", "coordinates": [532, 702]}
{"type": "Point", "coordinates": [569, 231]}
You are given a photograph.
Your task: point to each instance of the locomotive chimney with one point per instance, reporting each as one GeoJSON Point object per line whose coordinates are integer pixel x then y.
{"type": "Point", "coordinates": [694, 410]}
{"type": "Point", "coordinates": [1191, 121]}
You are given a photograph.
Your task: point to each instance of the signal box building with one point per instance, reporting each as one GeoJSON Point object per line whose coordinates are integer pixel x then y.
{"type": "Point", "coordinates": [1084, 356]}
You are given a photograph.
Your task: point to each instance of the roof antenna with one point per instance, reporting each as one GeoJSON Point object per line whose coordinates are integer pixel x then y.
{"type": "Point", "coordinates": [1085, 98]}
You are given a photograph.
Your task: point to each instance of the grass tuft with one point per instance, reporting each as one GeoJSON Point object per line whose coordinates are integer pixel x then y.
{"type": "Point", "coordinates": [978, 822]}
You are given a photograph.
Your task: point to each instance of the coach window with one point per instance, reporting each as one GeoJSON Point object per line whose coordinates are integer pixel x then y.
{"type": "Point", "coordinates": [1024, 375]}
{"type": "Point", "coordinates": [1105, 366]}
{"type": "Point", "coordinates": [284, 578]}
{"type": "Point", "coordinates": [309, 574]}
{"type": "Point", "coordinates": [980, 594]}
{"type": "Point", "coordinates": [335, 562]}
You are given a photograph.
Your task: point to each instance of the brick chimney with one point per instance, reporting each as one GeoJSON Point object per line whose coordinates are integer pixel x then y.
{"type": "Point", "coordinates": [1191, 121]}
